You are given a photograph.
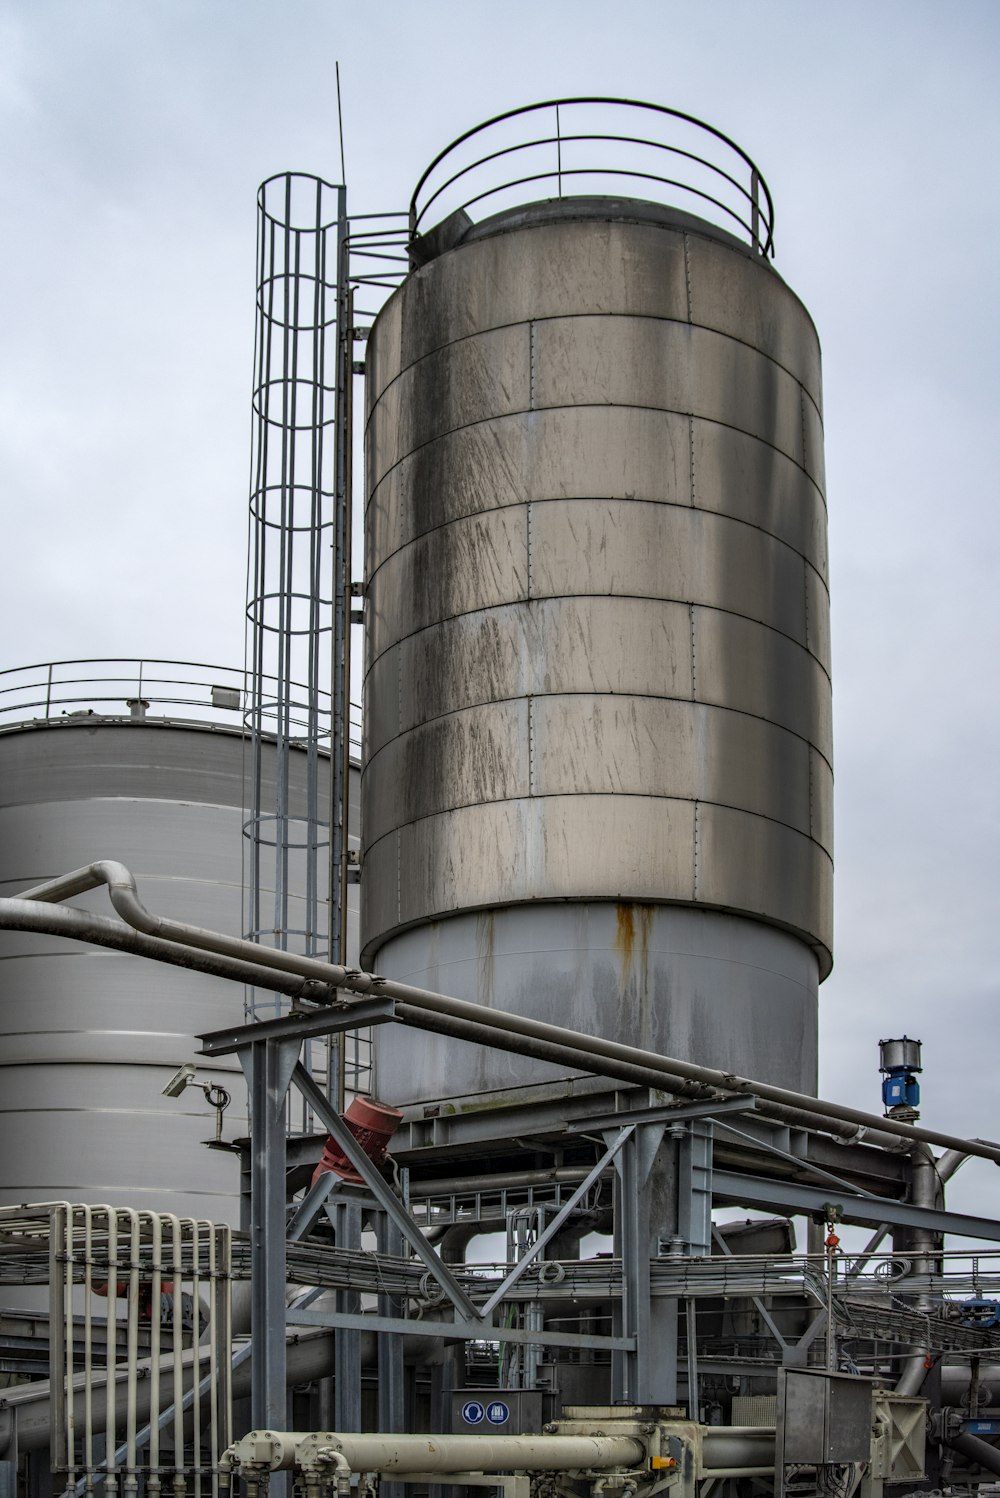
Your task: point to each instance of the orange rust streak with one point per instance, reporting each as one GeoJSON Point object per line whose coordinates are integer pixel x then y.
{"type": "Point", "coordinates": [625, 934]}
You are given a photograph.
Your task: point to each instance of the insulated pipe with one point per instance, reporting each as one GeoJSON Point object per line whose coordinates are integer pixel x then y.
{"type": "Point", "coordinates": [732, 1447]}
{"type": "Point", "coordinates": [975, 1450]}
{"type": "Point", "coordinates": [434, 1453]}
{"type": "Point", "coordinates": [924, 1191]}
{"type": "Point", "coordinates": [26, 1411]}
{"type": "Point", "coordinates": [124, 898]}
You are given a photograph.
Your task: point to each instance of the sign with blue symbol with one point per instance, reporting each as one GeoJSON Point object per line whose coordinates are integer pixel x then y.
{"type": "Point", "coordinates": [473, 1412]}
{"type": "Point", "coordinates": [498, 1413]}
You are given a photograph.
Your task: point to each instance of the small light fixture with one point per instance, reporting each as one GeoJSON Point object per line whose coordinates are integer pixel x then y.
{"type": "Point", "coordinates": [216, 1094]}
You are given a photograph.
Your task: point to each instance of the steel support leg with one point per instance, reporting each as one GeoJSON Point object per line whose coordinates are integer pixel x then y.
{"type": "Point", "coordinates": [645, 1214]}
{"type": "Point", "coordinates": [268, 1065]}
{"type": "Point", "coordinates": [346, 1218]}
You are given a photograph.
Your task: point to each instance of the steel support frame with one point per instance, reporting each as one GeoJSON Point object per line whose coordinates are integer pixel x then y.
{"type": "Point", "coordinates": [795, 1198]}
{"type": "Point", "coordinates": [657, 1187]}
{"type": "Point", "coordinates": [269, 1055]}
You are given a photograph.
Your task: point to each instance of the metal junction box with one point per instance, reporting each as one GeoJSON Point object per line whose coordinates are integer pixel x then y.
{"type": "Point", "coordinates": [822, 1418]}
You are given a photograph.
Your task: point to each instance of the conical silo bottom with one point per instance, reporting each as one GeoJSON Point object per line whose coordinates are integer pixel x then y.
{"type": "Point", "coordinates": [713, 988]}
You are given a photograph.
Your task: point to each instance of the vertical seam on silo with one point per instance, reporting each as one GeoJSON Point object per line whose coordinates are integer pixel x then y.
{"type": "Point", "coordinates": [687, 275]}
{"type": "Point", "coordinates": [697, 830]}
{"type": "Point", "coordinates": [812, 829]}
{"type": "Point", "coordinates": [805, 600]}
{"type": "Point", "coordinates": [531, 746]}
{"type": "Point", "coordinates": [694, 668]}
{"type": "Point", "coordinates": [802, 419]}
{"type": "Point", "coordinates": [531, 366]}
{"type": "Point", "coordinates": [691, 457]}
{"type": "Point", "coordinates": [530, 573]}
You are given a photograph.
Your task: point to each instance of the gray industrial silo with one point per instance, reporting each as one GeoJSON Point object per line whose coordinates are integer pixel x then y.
{"type": "Point", "coordinates": [597, 782]}
{"type": "Point", "coordinates": [88, 1036]}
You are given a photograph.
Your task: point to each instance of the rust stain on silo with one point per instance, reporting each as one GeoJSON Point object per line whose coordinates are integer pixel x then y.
{"type": "Point", "coordinates": [625, 934]}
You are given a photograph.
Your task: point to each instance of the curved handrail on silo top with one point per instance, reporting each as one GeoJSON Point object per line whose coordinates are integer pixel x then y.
{"type": "Point", "coordinates": [750, 207]}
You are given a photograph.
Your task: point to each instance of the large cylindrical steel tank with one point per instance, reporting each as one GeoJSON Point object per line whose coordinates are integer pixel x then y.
{"type": "Point", "coordinates": [89, 1037]}
{"type": "Point", "coordinates": [597, 781]}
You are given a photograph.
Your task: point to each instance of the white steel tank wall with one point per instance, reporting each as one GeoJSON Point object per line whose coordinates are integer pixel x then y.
{"type": "Point", "coordinates": [598, 647]}
{"type": "Point", "coordinates": [89, 1037]}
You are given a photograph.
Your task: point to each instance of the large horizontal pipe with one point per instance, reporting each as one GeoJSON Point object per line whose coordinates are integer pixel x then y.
{"type": "Point", "coordinates": [27, 1410]}
{"type": "Point", "coordinates": [974, 1450]}
{"type": "Point", "coordinates": [732, 1448]}
{"type": "Point", "coordinates": [436, 1453]}
{"type": "Point", "coordinates": [331, 976]}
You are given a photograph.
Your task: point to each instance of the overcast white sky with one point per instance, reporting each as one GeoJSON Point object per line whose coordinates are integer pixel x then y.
{"type": "Point", "coordinates": [132, 139]}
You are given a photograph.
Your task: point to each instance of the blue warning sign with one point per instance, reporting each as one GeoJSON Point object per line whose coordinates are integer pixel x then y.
{"type": "Point", "coordinates": [498, 1413]}
{"type": "Point", "coordinates": [473, 1412]}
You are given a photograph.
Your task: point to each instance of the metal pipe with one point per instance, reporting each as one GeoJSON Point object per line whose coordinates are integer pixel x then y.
{"type": "Point", "coordinates": [975, 1450]}
{"type": "Point", "coordinates": [485, 1032]}
{"type": "Point", "coordinates": [132, 1349]}
{"type": "Point", "coordinates": [924, 1191]}
{"type": "Point", "coordinates": [26, 1411]}
{"type": "Point", "coordinates": [735, 1446]}
{"type": "Point", "coordinates": [17, 914]}
{"type": "Point", "coordinates": [437, 1453]}
{"type": "Point", "coordinates": [124, 897]}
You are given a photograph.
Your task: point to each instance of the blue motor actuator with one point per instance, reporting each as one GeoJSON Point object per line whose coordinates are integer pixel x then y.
{"type": "Point", "coordinates": [899, 1063]}
{"type": "Point", "coordinates": [980, 1312]}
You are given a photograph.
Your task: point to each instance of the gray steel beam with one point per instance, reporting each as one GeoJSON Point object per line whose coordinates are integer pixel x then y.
{"type": "Point", "coordinates": [665, 1113]}
{"type": "Point", "coordinates": [756, 1191]}
{"type": "Point", "coordinates": [457, 1331]}
{"type": "Point", "coordinates": [301, 1026]}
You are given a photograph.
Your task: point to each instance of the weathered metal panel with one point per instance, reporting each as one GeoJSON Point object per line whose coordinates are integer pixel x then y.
{"type": "Point", "coordinates": [629, 549]}
{"type": "Point", "coordinates": [728, 991]}
{"type": "Point", "coordinates": [669, 366]}
{"type": "Point", "coordinates": [478, 754]}
{"type": "Point", "coordinates": [603, 645]}
{"type": "Point", "coordinates": [505, 852]}
{"type": "Point", "coordinates": [759, 310]}
{"type": "Point", "coordinates": [488, 375]}
{"type": "Point", "coordinates": [618, 452]}
{"type": "Point", "coordinates": [742, 664]}
{"type": "Point", "coordinates": [473, 564]}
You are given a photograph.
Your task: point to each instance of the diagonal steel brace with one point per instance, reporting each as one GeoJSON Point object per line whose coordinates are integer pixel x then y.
{"type": "Point", "coordinates": [557, 1221]}
{"type": "Point", "coordinates": [385, 1198]}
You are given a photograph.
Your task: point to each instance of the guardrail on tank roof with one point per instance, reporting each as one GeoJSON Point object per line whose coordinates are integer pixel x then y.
{"type": "Point", "coordinates": [586, 146]}
{"type": "Point", "coordinates": [142, 690]}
